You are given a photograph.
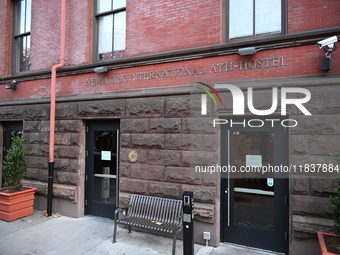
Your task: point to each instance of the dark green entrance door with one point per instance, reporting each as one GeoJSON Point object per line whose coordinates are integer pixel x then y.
{"type": "Point", "coordinates": [255, 193]}
{"type": "Point", "coordinates": [102, 168]}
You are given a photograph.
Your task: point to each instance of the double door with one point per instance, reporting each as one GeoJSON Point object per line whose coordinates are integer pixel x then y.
{"type": "Point", "coordinates": [255, 190]}
{"type": "Point", "coordinates": [102, 168]}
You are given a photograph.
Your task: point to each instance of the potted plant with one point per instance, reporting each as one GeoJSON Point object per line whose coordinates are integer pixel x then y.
{"type": "Point", "coordinates": [330, 242]}
{"type": "Point", "coordinates": [16, 201]}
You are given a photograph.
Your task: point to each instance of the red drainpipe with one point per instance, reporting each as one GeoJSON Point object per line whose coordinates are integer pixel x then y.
{"type": "Point", "coordinates": [53, 106]}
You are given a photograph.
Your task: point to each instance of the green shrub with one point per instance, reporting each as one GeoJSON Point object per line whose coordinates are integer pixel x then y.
{"type": "Point", "coordinates": [335, 200]}
{"type": "Point", "coordinates": [15, 166]}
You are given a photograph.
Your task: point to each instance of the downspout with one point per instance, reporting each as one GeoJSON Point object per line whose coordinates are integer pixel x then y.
{"type": "Point", "coordinates": [53, 106]}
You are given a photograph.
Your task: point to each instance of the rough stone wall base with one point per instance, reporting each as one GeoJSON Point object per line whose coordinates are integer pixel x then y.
{"type": "Point", "coordinates": [306, 246]}
{"type": "Point", "coordinates": [64, 207]}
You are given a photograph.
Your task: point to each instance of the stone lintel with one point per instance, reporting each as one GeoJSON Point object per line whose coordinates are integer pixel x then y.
{"type": "Point", "coordinates": [307, 226]}
{"type": "Point", "coordinates": [59, 190]}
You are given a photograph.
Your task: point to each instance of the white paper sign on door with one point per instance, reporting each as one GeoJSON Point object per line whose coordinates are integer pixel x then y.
{"type": "Point", "coordinates": [253, 160]}
{"type": "Point", "coordinates": [106, 155]}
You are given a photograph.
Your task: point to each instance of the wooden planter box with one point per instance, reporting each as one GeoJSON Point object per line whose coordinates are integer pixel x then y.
{"type": "Point", "coordinates": [322, 243]}
{"type": "Point", "coordinates": [16, 205]}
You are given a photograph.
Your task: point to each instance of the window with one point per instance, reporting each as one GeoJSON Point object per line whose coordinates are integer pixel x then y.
{"type": "Point", "coordinates": [111, 26]}
{"type": "Point", "coordinates": [250, 18]}
{"type": "Point", "coordinates": [21, 36]}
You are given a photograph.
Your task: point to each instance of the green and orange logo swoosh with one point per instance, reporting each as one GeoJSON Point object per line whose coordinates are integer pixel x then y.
{"type": "Point", "coordinates": [209, 93]}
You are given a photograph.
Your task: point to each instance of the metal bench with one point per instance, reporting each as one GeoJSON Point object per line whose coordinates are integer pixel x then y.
{"type": "Point", "coordinates": [153, 213]}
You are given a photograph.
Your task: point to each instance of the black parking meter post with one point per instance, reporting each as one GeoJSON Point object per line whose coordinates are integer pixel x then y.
{"type": "Point", "coordinates": [188, 223]}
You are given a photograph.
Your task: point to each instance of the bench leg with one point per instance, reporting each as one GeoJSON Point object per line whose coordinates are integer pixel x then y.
{"type": "Point", "coordinates": [114, 232]}
{"type": "Point", "coordinates": [115, 226]}
{"type": "Point", "coordinates": [174, 244]}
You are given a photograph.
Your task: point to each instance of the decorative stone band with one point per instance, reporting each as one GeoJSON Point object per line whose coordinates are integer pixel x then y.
{"type": "Point", "coordinates": [59, 190]}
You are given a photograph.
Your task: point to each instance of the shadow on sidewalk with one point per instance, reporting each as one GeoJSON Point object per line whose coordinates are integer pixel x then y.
{"type": "Point", "coordinates": [37, 234]}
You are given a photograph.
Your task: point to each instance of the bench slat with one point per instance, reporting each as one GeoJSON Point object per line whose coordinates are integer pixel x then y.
{"type": "Point", "coordinates": [155, 209]}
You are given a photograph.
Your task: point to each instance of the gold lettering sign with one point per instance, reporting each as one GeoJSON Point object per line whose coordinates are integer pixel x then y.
{"type": "Point", "coordinates": [201, 70]}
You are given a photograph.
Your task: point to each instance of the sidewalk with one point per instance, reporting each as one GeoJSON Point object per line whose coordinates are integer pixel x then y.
{"type": "Point", "coordinates": [37, 234]}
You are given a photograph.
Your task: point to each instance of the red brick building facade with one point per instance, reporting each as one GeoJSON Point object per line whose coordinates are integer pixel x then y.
{"type": "Point", "coordinates": [145, 109]}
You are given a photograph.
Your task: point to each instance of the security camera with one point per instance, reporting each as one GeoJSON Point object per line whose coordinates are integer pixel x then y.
{"type": "Point", "coordinates": [12, 86]}
{"type": "Point", "coordinates": [328, 43]}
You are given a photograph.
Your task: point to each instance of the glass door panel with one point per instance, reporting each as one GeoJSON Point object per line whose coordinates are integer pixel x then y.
{"type": "Point", "coordinates": [105, 171]}
{"type": "Point", "coordinates": [253, 194]}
